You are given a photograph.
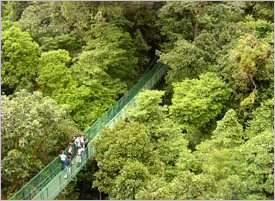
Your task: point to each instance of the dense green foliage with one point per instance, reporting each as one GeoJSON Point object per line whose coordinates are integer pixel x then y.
{"type": "Point", "coordinates": [207, 133]}
{"type": "Point", "coordinates": [20, 57]}
{"type": "Point", "coordinates": [34, 129]}
{"type": "Point", "coordinates": [196, 102]}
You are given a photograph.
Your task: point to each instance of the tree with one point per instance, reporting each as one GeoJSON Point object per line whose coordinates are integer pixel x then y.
{"type": "Point", "coordinates": [217, 156]}
{"type": "Point", "coordinates": [144, 30]}
{"type": "Point", "coordinates": [81, 87]}
{"type": "Point", "coordinates": [246, 68]}
{"type": "Point", "coordinates": [244, 166]}
{"type": "Point", "coordinates": [37, 20]}
{"type": "Point", "coordinates": [196, 102]}
{"type": "Point", "coordinates": [92, 90]}
{"type": "Point", "coordinates": [263, 118]}
{"type": "Point", "coordinates": [177, 20]}
{"type": "Point", "coordinates": [58, 25]}
{"type": "Point", "coordinates": [112, 50]}
{"type": "Point", "coordinates": [165, 134]}
{"type": "Point", "coordinates": [13, 10]}
{"type": "Point", "coordinates": [195, 186]}
{"type": "Point", "coordinates": [20, 58]}
{"type": "Point", "coordinates": [250, 72]}
{"type": "Point", "coordinates": [67, 42]}
{"type": "Point", "coordinates": [54, 73]}
{"type": "Point", "coordinates": [228, 134]}
{"type": "Point", "coordinates": [185, 186]}
{"type": "Point", "coordinates": [262, 10]}
{"type": "Point", "coordinates": [78, 17]}
{"type": "Point", "coordinates": [117, 151]}
{"type": "Point", "coordinates": [209, 47]}
{"type": "Point", "coordinates": [186, 20]}
{"type": "Point", "coordinates": [232, 188]}
{"type": "Point", "coordinates": [165, 150]}
{"type": "Point", "coordinates": [148, 109]}
{"type": "Point", "coordinates": [132, 178]}
{"type": "Point", "coordinates": [242, 65]}
{"type": "Point", "coordinates": [30, 120]}
{"type": "Point", "coordinates": [63, 83]}
{"type": "Point", "coordinates": [142, 49]}
{"type": "Point", "coordinates": [98, 74]}
{"type": "Point", "coordinates": [185, 60]}
{"type": "Point", "coordinates": [155, 189]}
{"type": "Point", "coordinates": [86, 101]}
{"type": "Point", "coordinates": [258, 163]}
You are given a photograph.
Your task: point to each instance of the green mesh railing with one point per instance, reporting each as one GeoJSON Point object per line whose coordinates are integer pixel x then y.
{"type": "Point", "coordinates": [50, 181]}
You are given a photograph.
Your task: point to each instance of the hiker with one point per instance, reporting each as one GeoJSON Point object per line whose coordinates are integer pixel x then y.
{"type": "Point", "coordinates": [71, 152]}
{"type": "Point", "coordinates": [77, 143]}
{"type": "Point", "coordinates": [70, 163]}
{"type": "Point", "coordinates": [82, 141]}
{"type": "Point", "coordinates": [86, 141]}
{"type": "Point", "coordinates": [78, 156]}
{"type": "Point", "coordinates": [63, 158]}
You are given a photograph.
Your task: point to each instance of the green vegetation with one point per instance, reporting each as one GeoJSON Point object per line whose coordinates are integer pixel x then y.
{"type": "Point", "coordinates": [20, 58]}
{"type": "Point", "coordinates": [34, 129]}
{"type": "Point", "coordinates": [206, 133]}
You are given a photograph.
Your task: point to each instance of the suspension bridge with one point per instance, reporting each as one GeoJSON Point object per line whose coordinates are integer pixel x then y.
{"type": "Point", "coordinates": [52, 180]}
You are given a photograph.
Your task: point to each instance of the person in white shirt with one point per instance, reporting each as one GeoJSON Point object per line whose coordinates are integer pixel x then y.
{"type": "Point", "coordinates": [77, 143]}
{"type": "Point", "coordinates": [63, 159]}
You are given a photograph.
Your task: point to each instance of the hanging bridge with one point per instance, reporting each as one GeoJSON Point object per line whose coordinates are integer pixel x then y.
{"type": "Point", "coordinates": [50, 181]}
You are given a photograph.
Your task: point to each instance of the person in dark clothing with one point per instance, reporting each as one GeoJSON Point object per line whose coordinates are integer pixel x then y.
{"type": "Point", "coordinates": [71, 152]}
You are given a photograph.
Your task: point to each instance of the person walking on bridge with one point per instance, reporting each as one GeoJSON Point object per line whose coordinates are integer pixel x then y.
{"type": "Point", "coordinates": [63, 158]}
{"type": "Point", "coordinates": [71, 152]}
{"type": "Point", "coordinates": [77, 143]}
{"type": "Point", "coordinates": [82, 141]}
